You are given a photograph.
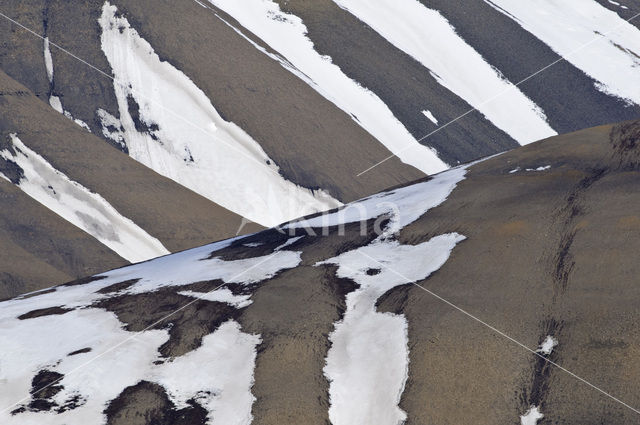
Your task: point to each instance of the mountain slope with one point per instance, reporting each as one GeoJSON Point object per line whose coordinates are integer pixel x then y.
{"type": "Point", "coordinates": [441, 301]}
{"type": "Point", "coordinates": [122, 204]}
{"type": "Point", "coordinates": [304, 96]}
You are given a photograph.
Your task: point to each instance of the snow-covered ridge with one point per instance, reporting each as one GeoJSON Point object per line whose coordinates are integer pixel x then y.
{"type": "Point", "coordinates": [287, 34]}
{"type": "Point", "coordinates": [428, 37]}
{"type": "Point", "coordinates": [218, 374]}
{"type": "Point", "coordinates": [78, 205]}
{"type": "Point", "coordinates": [589, 36]}
{"type": "Point", "coordinates": [205, 153]}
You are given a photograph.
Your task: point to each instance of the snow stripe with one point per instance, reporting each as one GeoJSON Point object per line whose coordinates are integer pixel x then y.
{"type": "Point", "coordinates": [286, 34]}
{"type": "Point", "coordinates": [81, 207]}
{"type": "Point", "coordinates": [207, 154]}
{"type": "Point", "coordinates": [589, 36]}
{"type": "Point", "coordinates": [367, 364]}
{"type": "Point", "coordinates": [429, 37]}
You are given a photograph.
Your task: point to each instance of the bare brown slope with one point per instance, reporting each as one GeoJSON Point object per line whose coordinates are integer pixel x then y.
{"type": "Point", "coordinates": [315, 144]}
{"type": "Point", "coordinates": [40, 249]}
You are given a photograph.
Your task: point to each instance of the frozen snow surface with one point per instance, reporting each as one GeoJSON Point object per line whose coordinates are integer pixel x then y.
{"type": "Point", "coordinates": [532, 416]}
{"type": "Point", "coordinates": [367, 364]}
{"type": "Point", "coordinates": [589, 36]}
{"type": "Point", "coordinates": [78, 205]}
{"type": "Point", "coordinates": [427, 36]}
{"type": "Point", "coordinates": [286, 34]}
{"type": "Point", "coordinates": [218, 374]}
{"type": "Point", "coordinates": [203, 152]}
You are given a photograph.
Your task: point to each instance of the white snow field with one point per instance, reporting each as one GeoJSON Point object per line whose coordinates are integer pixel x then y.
{"type": "Point", "coordinates": [367, 364]}
{"type": "Point", "coordinates": [428, 37]}
{"type": "Point", "coordinates": [286, 34]}
{"type": "Point", "coordinates": [78, 205]}
{"type": "Point", "coordinates": [203, 152]}
{"type": "Point", "coordinates": [219, 374]}
{"type": "Point", "coordinates": [547, 345]}
{"type": "Point", "coordinates": [589, 36]}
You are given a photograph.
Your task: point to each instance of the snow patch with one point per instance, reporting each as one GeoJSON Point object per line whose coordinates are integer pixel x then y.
{"type": "Point", "coordinates": [429, 115]}
{"type": "Point", "coordinates": [219, 374]}
{"type": "Point", "coordinates": [205, 153]}
{"type": "Point", "coordinates": [532, 416]}
{"type": "Point", "coordinates": [428, 37]}
{"type": "Point", "coordinates": [547, 345]}
{"type": "Point", "coordinates": [367, 364]}
{"type": "Point", "coordinates": [78, 205]}
{"type": "Point", "coordinates": [589, 36]}
{"type": "Point", "coordinates": [287, 34]}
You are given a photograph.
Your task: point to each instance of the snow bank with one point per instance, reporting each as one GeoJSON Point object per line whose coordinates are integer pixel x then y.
{"type": "Point", "coordinates": [428, 37]}
{"type": "Point", "coordinates": [205, 153]}
{"type": "Point", "coordinates": [404, 205]}
{"type": "Point", "coordinates": [589, 36]}
{"type": "Point", "coordinates": [218, 374]}
{"type": "Point", "coordinates": [367, 364]}
{"type": "Point", "coordinates": [78, 205]}
{"type": "Point", "coordinates": [286, 34]}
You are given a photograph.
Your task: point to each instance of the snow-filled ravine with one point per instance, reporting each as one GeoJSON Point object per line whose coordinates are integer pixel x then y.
{"type": "Point", "coordinates": [94, 358]}
{"type": "Point", "coordinates": [589, 36]}
{"type": "Point", "coordinates": [427, 36]}
{"type": "Point", "coordinates": [287, 34]}
{"type": "Point", "coordinates": [78, 205]}
{"type": "Point", "coordinates": [178, 133]}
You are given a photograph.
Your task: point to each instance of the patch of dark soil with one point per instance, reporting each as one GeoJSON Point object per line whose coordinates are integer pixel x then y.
{"type": "Point", "coordinates": [141, 126]}
{"type": "Point", "coordinates": [116, 287]}
{"type": "Point", "coordinates": [80, 351]}
{"type": "Point", "coordinates": [269, 240]}
{"type": "Point", "coordinates": [187, 319]}
{"type": "Point", "coordinates": [12, 170]}
{"type": "Point", "coordinates": [84, 280]}
{"type": "Point", "coordinates": [44, 386]}
{"type": "Point", "coordinates": [394, 300]}
{"type": "Point", "coordinates": [564, 262]}
{"type": "Point", "coordinates": [35, 294]}
{"type": "Point", "coordinates": [147, 403]}
{"type": "Point", "coordinates": [50, 311]}
{"type": "Point", "coordinates": [624, 139]}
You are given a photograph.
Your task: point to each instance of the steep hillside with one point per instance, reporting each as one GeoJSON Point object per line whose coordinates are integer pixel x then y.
{"type": "Point", "coordinates": [276, 109]}
{"type": "Point", "coordinates": [498, 292]}
{"type": "Point", "coordinates": [114, 209]}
